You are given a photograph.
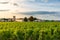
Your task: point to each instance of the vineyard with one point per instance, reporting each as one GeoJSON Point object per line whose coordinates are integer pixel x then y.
{"type": "Point", "coordinates": [29, 30]}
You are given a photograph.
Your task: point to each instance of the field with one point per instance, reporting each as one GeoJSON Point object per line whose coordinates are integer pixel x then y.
{"type": "Point", "coordinates": [29, 30]}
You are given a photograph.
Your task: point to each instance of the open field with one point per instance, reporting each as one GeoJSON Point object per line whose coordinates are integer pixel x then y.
{"type": "Point", "coordinates": [29, 30]}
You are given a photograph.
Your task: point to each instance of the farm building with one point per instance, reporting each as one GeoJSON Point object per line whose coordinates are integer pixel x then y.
{"type": "Point", "coordinates": [11, 19]}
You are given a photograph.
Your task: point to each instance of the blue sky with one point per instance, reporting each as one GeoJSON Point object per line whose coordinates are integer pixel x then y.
{"type": "Point", "coordinates": [40, 5]}
{"type": "Point", "coordinates": [14, 7]}
{"type": "Point", "coordinates": [31, 5]}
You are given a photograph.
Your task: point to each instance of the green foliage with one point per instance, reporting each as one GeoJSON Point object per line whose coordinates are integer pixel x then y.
{"type": "Point", "coordinates": [25, 19]}
{"type": "Point", "coordinates": [29, 30]}
{"type": "Point", "coordinates": [31, 18]}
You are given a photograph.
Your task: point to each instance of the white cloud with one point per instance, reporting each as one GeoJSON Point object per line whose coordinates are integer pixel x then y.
{"type": "Point", "coordinates": [27, 5]}
{"type": "Point", "coordinates": [24, 5]}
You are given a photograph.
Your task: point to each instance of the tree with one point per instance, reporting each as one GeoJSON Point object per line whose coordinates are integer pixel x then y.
{"type": "Point", "coordinates": [31, 18]}
{"type": "Point", "coordinates": [35, 18]}
{"type": "Point", "coordinates": [25, 19]}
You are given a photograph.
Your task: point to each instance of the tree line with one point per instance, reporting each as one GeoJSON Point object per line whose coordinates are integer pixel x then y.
{"type": "Point", "coordinates": [31, 18]}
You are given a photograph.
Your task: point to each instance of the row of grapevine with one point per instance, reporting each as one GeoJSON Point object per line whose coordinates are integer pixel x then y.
{"type": "Point", "coordinates": [29, 30]}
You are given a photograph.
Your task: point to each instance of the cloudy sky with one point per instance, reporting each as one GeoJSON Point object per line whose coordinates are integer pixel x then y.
{"type": "Point", "coordinates": [9, 8]}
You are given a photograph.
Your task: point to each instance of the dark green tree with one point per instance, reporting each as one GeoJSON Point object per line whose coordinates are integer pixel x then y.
{"type": "Point", "coordinates": [35, 18]}
{"type": "Point", "coordinates": [31, 18]}
{"type": "Point", "coordinates": [25, 19]}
